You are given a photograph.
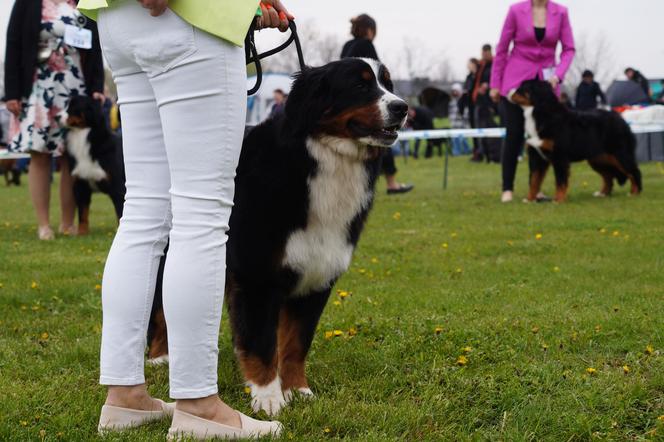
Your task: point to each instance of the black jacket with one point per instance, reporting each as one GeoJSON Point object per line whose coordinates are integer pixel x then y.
{"type": "Point", "coordinates": [23, 45]}
{"type": "Point", "coordinates": [359, 47]}
{"type": "Point", "coordinates": [642, 81]}
{"type": "Point", "coordinates": [586, 96]}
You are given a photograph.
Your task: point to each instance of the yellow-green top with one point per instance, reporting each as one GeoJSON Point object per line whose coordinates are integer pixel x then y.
{"type": "Point", "coordinates": [228, 19]}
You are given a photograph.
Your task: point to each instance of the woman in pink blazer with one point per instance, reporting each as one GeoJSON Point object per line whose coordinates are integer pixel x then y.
{"type": "Point", "coordinates": [533, 28]}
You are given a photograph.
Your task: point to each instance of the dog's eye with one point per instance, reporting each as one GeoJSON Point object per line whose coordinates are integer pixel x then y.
{"type": "Point", "coordinates": [362, 85]}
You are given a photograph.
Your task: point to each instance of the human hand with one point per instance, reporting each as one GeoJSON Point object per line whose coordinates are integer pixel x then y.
{"type": "Point", "coordinates": [156, 7]}
{"type": "Point", "coordinates": [495, 95]}
{"type": "Point", "coordinates": [275, 15]}
{"type": "Point", "coordinates": [14, 106]}
{"type": "Point", "coordinates": [555, 81]}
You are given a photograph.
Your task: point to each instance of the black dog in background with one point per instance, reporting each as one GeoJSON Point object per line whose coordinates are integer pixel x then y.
{"type": "Point", "coordinates": [96, 159]}
{"type": "Point", "coordinates": [562, 136]}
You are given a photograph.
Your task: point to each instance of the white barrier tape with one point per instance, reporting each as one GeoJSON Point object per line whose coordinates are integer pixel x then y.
{"type": "Point", "coordinates": [497, 132]}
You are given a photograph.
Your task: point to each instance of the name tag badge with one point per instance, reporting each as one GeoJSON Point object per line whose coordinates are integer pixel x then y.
{"type": "Point", "coordinates": [78, 37]}
{"type": "Point", "coordinates": [548, 73]}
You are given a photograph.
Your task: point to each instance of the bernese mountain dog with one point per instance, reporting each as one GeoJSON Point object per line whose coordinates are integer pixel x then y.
{"type": "Point", "coordinates": [95, 156]}
{"type": "Point", "coordinates": [303, 191]}
{"type": "Point", "coordinates": [563, 136]}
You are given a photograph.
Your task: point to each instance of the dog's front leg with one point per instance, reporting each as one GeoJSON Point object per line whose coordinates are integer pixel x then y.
{"type": "Point", "coordinates": [561, 170]}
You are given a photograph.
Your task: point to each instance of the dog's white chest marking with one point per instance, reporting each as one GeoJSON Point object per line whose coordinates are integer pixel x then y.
{"type": "Point", "coordinates": [338, 192]}
{"type": "Point", "coordinates": [79, 148]}
{"type": "Point", "coordinates": [531, 128]}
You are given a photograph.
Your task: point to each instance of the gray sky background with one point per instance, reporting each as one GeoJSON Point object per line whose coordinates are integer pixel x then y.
{"type": "Point", "coordinates": [456, 29]}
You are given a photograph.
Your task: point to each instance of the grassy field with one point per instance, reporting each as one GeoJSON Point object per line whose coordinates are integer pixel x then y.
{"type": "Point", "coordinates": [468, 320]}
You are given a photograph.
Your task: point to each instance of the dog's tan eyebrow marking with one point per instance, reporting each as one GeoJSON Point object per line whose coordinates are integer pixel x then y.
{"type": "Point", "coordinates": [367, 75]}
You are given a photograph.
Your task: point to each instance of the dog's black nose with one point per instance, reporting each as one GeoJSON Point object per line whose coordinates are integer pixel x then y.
{"type": "Point", "coordinates": [398, 108]}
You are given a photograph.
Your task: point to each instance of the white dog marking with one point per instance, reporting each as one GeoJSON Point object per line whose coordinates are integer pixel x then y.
{"type": "Point", "coordinates": [268, 398]}
{"type": "Point", "coordinates": [79, 147]}
{"type": "Point", "coordinates": [531, 128]}
{"type": "Point", "coordinates": [338, 192]}
{"type": "Point", "coordinates": [304, 393]}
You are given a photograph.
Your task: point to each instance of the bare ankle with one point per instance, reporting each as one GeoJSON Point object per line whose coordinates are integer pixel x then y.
{"type": "Point", "coordinates": [210, 408]}
{"type": "Point", "coordinates": [133, 396]}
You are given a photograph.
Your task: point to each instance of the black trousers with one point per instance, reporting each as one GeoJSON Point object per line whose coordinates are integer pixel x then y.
{"type": "Point", "coordinates": [514, 122]}
{"type": "Point", "coordinates": [387, 163]}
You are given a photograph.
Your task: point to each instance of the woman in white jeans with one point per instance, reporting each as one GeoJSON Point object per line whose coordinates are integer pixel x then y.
{"type": "Point", "coordinates": [182, 93]}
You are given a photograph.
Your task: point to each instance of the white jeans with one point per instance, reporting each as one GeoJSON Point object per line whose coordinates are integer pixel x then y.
{"type": "Point", "coordinates": [182, 96]}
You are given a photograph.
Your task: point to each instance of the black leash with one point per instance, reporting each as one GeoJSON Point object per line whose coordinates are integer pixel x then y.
{"type": "Point", "coordinates": [252, 55]}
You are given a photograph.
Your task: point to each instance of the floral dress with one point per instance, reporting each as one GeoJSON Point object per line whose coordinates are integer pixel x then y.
{"type": "Point", "coordinates": [40, 127]}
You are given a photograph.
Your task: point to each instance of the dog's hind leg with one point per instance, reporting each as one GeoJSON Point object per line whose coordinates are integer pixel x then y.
{"type": "Point", "coordinates": [83, 199]}
{"type": "Point", "coordinates": [254, 311]}
{"type": "Point", "coordinates": [561, 170]}
{"type": "Point", "coordinates": [604, 170]}
{"type": "Point", "coordinates": [297, 324]}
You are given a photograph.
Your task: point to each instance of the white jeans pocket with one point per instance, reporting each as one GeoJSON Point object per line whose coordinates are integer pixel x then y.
{"type": "Point", "coordinates": [163, 43]}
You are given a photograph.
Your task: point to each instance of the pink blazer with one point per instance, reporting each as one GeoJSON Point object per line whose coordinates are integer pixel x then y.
{"type": "Point", "coordinates": [528, 58]}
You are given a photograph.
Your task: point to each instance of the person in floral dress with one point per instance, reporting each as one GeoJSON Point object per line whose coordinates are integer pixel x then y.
{"type": "Point", "coordinates": [42, 72]}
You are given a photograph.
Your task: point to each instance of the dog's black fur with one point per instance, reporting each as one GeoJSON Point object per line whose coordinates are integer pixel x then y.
{"type": "Point", "coordinates": [104, 148]}
{"type": "Point", "coordinates": [273, 318]}
{"type": "Point", "coordinates": [602, 138]}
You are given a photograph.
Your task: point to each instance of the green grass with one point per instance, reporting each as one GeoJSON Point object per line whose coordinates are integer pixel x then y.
{"type": "Point", "coordinates": [535, 314]}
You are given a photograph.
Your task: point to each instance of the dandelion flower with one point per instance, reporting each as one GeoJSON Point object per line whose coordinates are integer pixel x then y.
{"type": "Point", "coordinates": [438, 330]}
{"type": "Point", "coordinates": [661, 418]}
{"type": "Point", "coordinates": [453, 235]}
{"type": "Point", "coordinates": [338, 333]}
{"type": "Point", "coordinates": [650, 350]}
{"type": "Point", "coordinates": [538, 236]}
{"type": "Point", "coordinates": [362, 271]}
{"type": "Point", "coordinates": [329, 334]}
{"type": "Point", "coordinates": [1, 285]}
{"type": "Point", "coordinates": [24, 423]}
{"type": "Point", "coordinates": [44, 336]}
{"type": "Point", "coordinates": [616, 233]}
{"type": "Point", "coordinates": [444, 245]}
{"type": "Point", "coordinates": [626, 369]}
{"type": "Point", "coordinates": [591, 371]}
{"type": "Point", "coordinates": [462, 360]}
{"type": "Point", "coordinates": [397, 216]}
{"type": "Point", "coordinates": [343, 294]}
{"type": "Point", "coordinates": [97, 287]}
{"type": "Point", "coordinates": [337, 303]}
{"type": "Point", "coordinates": [467, 349]}
{"type": "Point", "coordinates": [510, 243]}
{"type": "Point", "coordinates": [34, 285]}
{"type": "Point", "coordinates": [598, 328]}
{"type": "Point", "coordinates": [545, 347]}
{"type": "Point", "coordinates": [374, 260]}
{"type": "Point", "coordinates": [247, 389]}
{"type": "Point", "coordinates": [352, 332]}
{"type": "Point", "coordinates": [602, 230]}
{"type": "Point", "coordinates": [458, 270]}
{"type": "Point", "coordinates": [535, 329]}
{"type": "Point", "coordinates": [327, 430]}
{"type": "Point", "coordinates": [556, 269]}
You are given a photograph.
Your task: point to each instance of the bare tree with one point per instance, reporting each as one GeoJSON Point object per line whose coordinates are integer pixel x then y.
{"type": "Point", "coordinates": [318, 47]}
{"type": "Point", "coordinates": [593, 52]}
{"type": "Point", "coordinates": [413, 60]}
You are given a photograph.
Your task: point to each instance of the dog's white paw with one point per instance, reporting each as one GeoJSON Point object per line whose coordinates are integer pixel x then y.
{"type": "Point", "coordinates": [305, 393]}
{"type": "Point", "coordinates": [268, 398]}
{"type": "Point", "coordinates": [160, 360]}
{"type": "Point", "coordinates": [599, 194]}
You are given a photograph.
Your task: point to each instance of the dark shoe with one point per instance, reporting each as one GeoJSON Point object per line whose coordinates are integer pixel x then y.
{"type": "Point", "coordinates": [403, 188]}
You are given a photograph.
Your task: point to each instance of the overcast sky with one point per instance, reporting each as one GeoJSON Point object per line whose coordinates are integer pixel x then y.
{"type": "Point", "coordinates": [455, 29]}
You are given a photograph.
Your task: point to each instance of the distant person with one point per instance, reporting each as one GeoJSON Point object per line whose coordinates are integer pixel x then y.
{"type": "Point", "coordinates": [363, 30]}
{"type": "Point", "coordinates": [638, 78]}
{"type": "Point", "coordinates": [534, 28]}
{"type": "Point", "coordinates": [41, 73]}
{"type": "Point", "coordinates": [457, 121]}
{"type": "Point", "coordinates": [660, 100]}
{"type": "Point", "coordinates": [467, 104]}
{"type": "Point", "coordinates": [279, 103]}
{"type": "Point", "coordinates": [421, 118]}
{"type": "Point", "coordinates": [589, 93]}
{"type": "Point", "coordinates": [485, 108]}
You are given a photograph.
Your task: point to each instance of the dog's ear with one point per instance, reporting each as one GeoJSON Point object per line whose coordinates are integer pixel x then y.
{"type": "Point", "coordinates": [308, 100]}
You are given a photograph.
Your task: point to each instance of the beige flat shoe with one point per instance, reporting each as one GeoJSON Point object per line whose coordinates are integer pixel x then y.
{"type": "Point", "coordinates": [188, 425]}
{"type": "Point", "coordinates": [117, 418]}
{"type": "Point", "coordinates": [45, 233]}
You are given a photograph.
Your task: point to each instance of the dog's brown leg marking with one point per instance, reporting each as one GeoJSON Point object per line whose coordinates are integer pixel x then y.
{"type": "Point", "coordinates": [159, 341]}
{"type": "Point", "coordinates": [84, 221]}
{"type": "Point", "coordinates": [561, 193]}
{"type": "Point", "coordinates": [291, 354]}
{"type": "Point", "coordinates": [256, 371]}
{"type": "Point", "coordinates": [536, 178]}
{"type": "Point", "coordinates": [547, 145]}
